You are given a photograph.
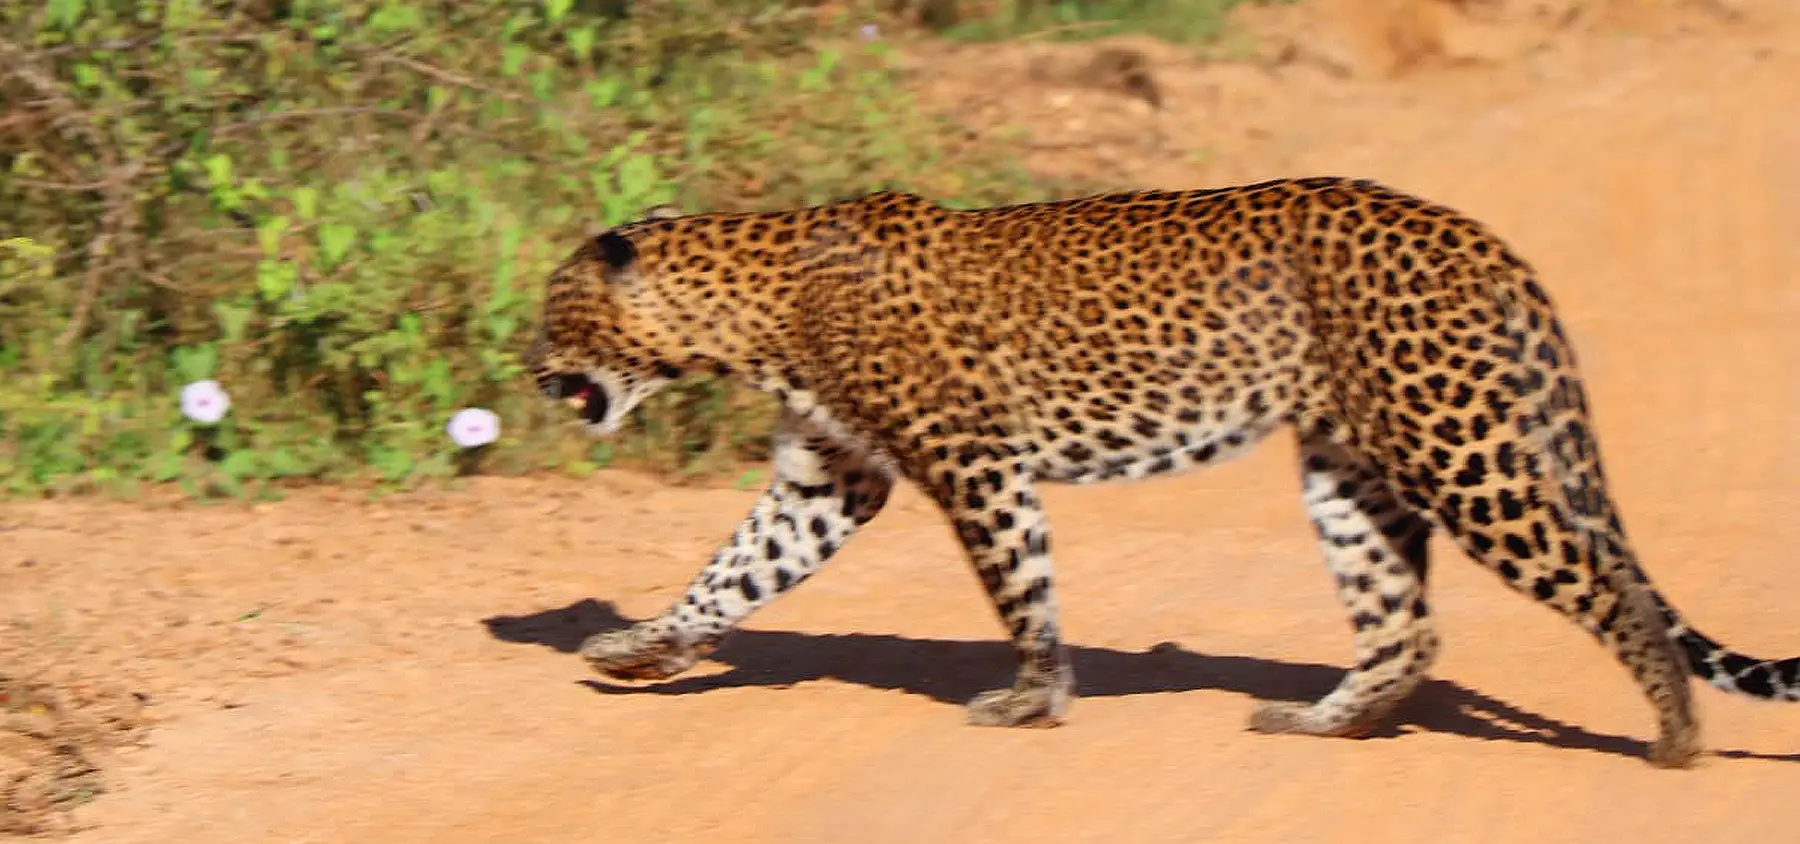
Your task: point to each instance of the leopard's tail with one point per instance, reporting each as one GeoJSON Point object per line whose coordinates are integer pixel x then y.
{"type": "Point", "coordinates": [1728, 670]}
{"type": "Point", "coordinates": [1577, 478]}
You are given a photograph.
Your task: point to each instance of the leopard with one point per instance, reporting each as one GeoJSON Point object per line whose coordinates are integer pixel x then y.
{"type": "Point", "coordinates": [979, 354]}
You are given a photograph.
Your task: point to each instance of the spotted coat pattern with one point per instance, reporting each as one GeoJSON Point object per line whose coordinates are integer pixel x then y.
{"type": "Point", "coordinates": [978, 354]}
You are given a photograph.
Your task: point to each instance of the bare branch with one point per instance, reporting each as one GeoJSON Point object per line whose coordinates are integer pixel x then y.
{"type": "Point", "coordinates": [66, 187]}
{"type": "Point", "coordinates": [227, 129]}
{"type": "Point", "coordinates": [111, 240]}
{"type": "Point", "coordinates": [443, 75]}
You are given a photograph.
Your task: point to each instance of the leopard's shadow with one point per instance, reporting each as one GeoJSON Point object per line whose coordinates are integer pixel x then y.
{"type": "Point", "coordinates": [954, 671]}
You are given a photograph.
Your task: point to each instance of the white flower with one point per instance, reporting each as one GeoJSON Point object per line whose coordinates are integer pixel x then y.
{"type": "Point", "coordinates": [871, 32]}
{"type": "Point", "coordinates": [473, 426]}
{"type": "Point", "coordinates": [204, 402]}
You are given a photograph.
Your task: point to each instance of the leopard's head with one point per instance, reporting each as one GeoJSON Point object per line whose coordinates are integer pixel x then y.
{"type": "Point", "coordinates": [604, 344]}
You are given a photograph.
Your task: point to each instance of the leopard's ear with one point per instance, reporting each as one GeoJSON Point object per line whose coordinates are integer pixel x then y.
{"type": "Point", "coordinates": [617, 260]}
{"type": "Point", "coordinates": [615, 250]}
{"type": "Point", "coordinates": [662, 212]}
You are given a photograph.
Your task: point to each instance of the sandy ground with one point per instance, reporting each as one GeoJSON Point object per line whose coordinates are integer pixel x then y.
{"type": "Point", "coordinates": [326, 669]}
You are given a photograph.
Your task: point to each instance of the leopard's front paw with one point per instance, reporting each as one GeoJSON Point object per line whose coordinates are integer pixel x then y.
{"type": "Point", "coordinates": [1039, 702]}
{"type": "Point", "coordinates": [1311, 719]}
{"type": "Point", "coordinates": [640, 653]}
{"type": "Point", "coordinates": [1677, 748]}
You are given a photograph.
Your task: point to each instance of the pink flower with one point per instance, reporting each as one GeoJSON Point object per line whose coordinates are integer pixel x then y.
{"type": "Point", "coordinates": [474, 426]}
{"type": "Point", "coordinates": [204, 402]}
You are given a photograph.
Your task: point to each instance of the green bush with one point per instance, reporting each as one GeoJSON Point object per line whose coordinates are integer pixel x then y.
{"type": "Point", "coordinates": [342, 210]}
{"type": "Point", "coordinates": [1181, 21]}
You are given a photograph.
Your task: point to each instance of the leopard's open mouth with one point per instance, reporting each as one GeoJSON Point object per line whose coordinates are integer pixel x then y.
{"type": "Point", "coordinates": [582, 394]}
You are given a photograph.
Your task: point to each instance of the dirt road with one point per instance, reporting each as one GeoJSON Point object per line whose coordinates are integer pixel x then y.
{"type": "Point", "coordinates": [326, 670]}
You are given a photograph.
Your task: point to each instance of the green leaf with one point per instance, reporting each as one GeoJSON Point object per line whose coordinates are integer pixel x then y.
{"type": "Point", "coordinates": [239, 464]}
{"type": "Point", "coordinates": [306, 202]}
{"type": "Point", "coordinates": [275, 278]}
{"type": "Point", "coordinates": [166, 467]}
{"type": "Point", "coordinates": [233, 319]}
{"type": "Point", "coordinates": [439, 384]}
{"type": "Point", "coordinates": [229, 485]}
{"type": "Point", "coordinates": [750, 478]}
{"type": "Point", "coordinates": [580, 468]}
{"type": "Point", "coordinates": [335, 240]}
{"type": "Point", "coordinates": [554, 10]}
{"type": "Point", "coordinates": [513, 59]}
{"type": "Point", "coordinates": [196, 363]}
{"type": "Point", "coordinates": [638, 175]}
{"type": "Point", "coordinates": [602, 453]}
{"type": "Point", "coordinates": [816, 78]}
{"type": "Point", "coordinates": [218, 169]}
{"type": "Point", "coordinates": [282, 463]}
{"type": "Point", "coordinates": [67, 13]}
{"type": "Point", "coordinates": [269, 233]}
{"type": "Point", "coordinates": [396, 17]}
{"type": "Point", "coordinates": [443, 183]}
{"type": "Point", "coordinates": [501, 326]}
{"type": "Point", "coordinates": [392, 463]}
{"type": "Point", "coordinates": [511, 235]}
{"type": "Point", "coordinates": [581, 41]}
{"type": "Point", "coordinates": [604, 92]}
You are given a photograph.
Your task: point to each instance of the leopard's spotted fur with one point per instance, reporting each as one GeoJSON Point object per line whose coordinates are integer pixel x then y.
{"type": "Point", "coordinates": [979, 353]}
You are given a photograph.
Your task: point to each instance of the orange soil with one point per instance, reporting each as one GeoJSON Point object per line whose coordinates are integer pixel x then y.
{"type": "Point", "coordinates": [326, 669]}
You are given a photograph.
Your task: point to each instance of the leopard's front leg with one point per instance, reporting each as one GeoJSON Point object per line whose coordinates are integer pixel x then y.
{"type": "Point", "coordinates": [822, 492]}
{"type": "Point", "coordinates": [991, 501]}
